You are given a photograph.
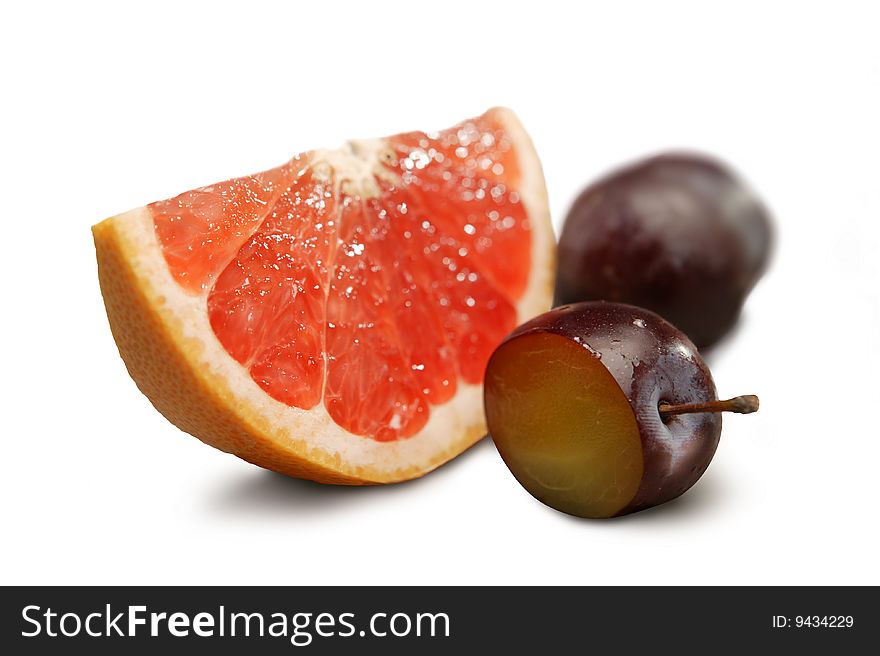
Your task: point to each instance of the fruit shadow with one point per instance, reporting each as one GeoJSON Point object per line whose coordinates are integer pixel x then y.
{"type": "Point", "coordinates": [259, 493]}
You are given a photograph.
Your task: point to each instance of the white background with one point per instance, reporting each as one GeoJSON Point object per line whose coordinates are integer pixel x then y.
{"type": "Point", "coordinates": [108, 107]}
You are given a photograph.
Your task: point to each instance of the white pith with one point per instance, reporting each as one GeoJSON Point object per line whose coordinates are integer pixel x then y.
{"type": "Point", "coordinates": [307, 430]}
{"type": "Point", "coordinates": [356, 166]}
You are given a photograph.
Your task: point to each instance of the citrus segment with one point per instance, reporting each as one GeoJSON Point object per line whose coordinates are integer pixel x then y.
{"type": "Point", "coordinates": [267, 305]}
{"type": "Point", "coordinates": [467, 177]}
{"type": "Point", "coordinates": [202, 229]}
{"type": "Point", "coordinates": [394, 286]}
{"type": "Point", "coordinates": [362, 289]}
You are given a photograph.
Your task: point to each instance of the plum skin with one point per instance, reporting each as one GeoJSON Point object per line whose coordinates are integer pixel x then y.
{"type": "Point", "coordinates": [651, 361]}
{"type": "Point", "coordinates": [678, 234]}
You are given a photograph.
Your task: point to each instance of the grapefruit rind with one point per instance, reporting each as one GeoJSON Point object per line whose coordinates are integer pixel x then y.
{"type": "Point", "coordinates": [166, 341]}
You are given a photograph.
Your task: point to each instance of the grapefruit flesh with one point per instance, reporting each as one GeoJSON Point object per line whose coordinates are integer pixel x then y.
{"type": "Point", "coordinates": [367, 286]}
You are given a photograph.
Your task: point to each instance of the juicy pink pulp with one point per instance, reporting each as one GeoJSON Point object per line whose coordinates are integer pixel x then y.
{"type": "Point", "coordinates": [377, 307]}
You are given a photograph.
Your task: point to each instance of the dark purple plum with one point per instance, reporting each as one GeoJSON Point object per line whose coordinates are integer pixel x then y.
{"type": "Point", "coordinates": [602, 409]}
{"type": "Point", "coordinates": [678, 234]}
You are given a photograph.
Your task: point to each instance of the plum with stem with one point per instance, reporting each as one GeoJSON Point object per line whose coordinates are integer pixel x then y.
{"type": "Point", "coordinates": [602, 409]}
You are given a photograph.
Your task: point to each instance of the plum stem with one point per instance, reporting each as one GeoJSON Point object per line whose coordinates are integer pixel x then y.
{"type": "Point", "coordinates": [744, 405]}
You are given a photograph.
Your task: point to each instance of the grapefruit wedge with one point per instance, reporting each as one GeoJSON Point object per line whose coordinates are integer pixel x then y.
{"type": "Point", "coordinates": [332, 318]}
